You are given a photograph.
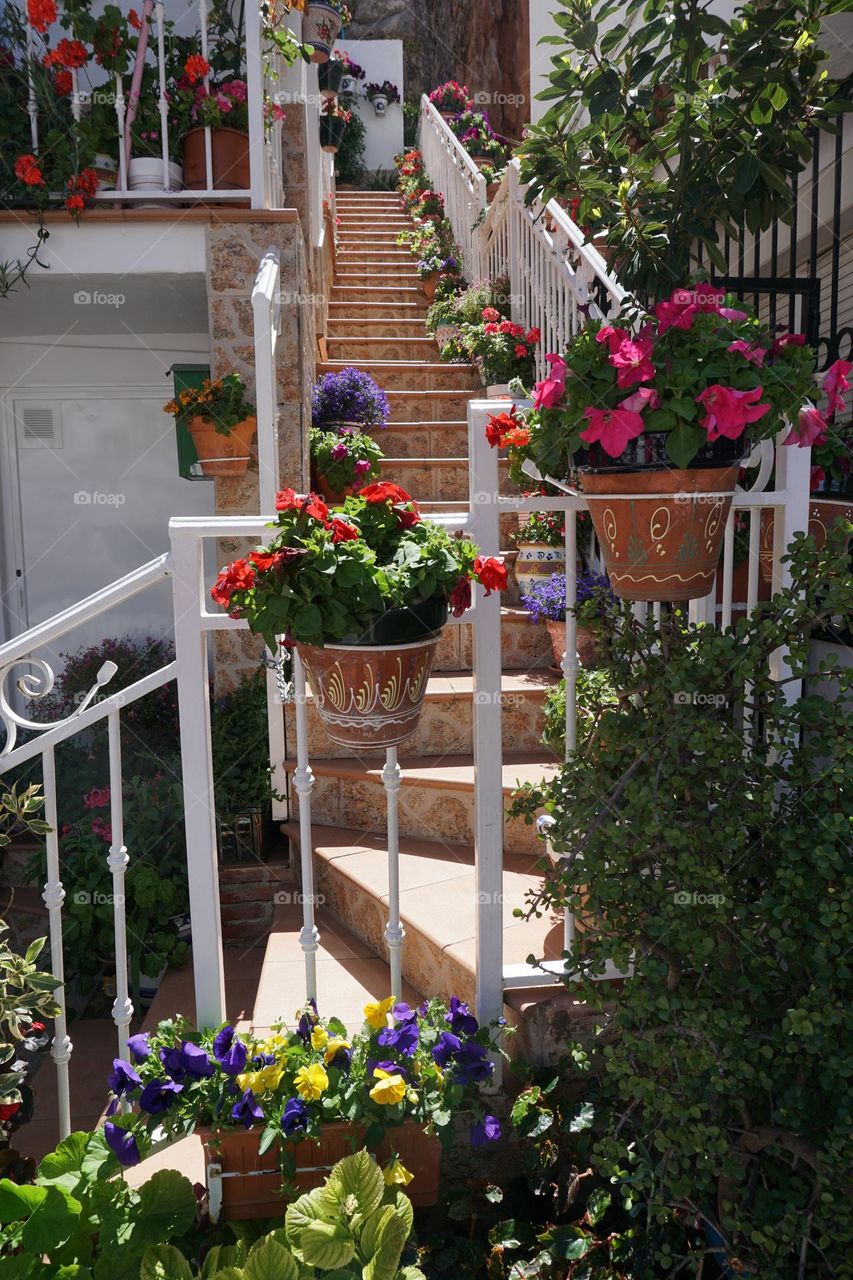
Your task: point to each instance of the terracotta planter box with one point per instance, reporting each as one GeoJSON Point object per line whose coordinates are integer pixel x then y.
{"type": "Point", "coordinates": [822, 513]}
{"type": "Point", "coordinates": [661, 547]}
{"type": "Point", "coordinates": [252, 1183]}
{"type": "Point", "coordinates": [220, 455]}
{"type": "Point", "coordinates": [586, 644]}
{"type": "Point", "coordinates": [229, 159]}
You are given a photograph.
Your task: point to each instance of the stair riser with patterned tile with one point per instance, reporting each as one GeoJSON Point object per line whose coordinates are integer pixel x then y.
{"type": "Point", "coordinates": [363, 276]}
{"type": "Point", "coordinates": [433, 481]}
{"type": "Point", "coordinates": [415, 377]}
{"type": "Point", "coordinates": [446, 726]}
{"type": "Point", "coordinates": [424, 440]}
{"type": "Point", "coordinates": [388, 324]}
{"type": "Point", "coordinates": [363, 349]}
{"type": "Point", "coordinates": [377, 294]}
{"type": "Point", "coordinates": [427, 406]}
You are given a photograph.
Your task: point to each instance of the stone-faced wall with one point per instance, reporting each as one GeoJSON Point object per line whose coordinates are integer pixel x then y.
{"type": "Point", "coordinates": [234, 249]}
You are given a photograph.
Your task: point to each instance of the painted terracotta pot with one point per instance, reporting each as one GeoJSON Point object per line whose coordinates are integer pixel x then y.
{"type": "Point", "coordinates": [535, 562]}
{"type": "Point", "coordinates": [665, 546]}
{"type": "Point", "coordinates": [221, 455]}
{"type": "Point", "coordinates": [497, 391]}
{"type": "Point", "coordinates": [252, 1185]}
{"type": "Point", "coordinates": [370, 695]}
{"type": "Point", "coordinates": [321, 24]}
{"type": "Point", "coordinates": [334, 497]}
{"type": "Point", "coordinates": [822, 513]}
{"type": "Point", "coordinates": [229, 150]}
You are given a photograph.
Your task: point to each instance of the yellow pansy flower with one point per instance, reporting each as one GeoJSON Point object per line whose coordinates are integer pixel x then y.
{"type": "Point", "coordinates": [319, 1037]}
{"type": "Point", "coordinates": [396, 1174]}
{"type": "Point", "coordinates": [334, 1046]}
{"type": "Point", "coordinates": [376, 1013]}
{"type": "Point", "coordinates": [311, 1081]}
{"type": "Point", "coordinates": [388, 1089]}
{"type": "Point", "coordinates": [270, 1077]}
{"type": "Point", "coordinates": [274, 1044]}
{"type": "Point", "coordinates": [248, 1080]}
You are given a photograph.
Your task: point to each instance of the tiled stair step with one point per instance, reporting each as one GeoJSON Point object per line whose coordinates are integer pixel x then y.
{"type": "Point", "coordinates": [427, 406]}
{"type": "Point", "coordinates": [438, 903]}
{"type": "Point", "coordinates": [368, 295]}
{"type": "Point", "coordinates": [424, 439]}
{"type": "Point", "coordinates": [416, 349]}
{"type": "Point", "coordinates": [373, 276]}
{"type": "Point", "coordinates": [447, 723]}
{"type": "Point", "coordinates": [389, 323]}
{"type": "Point", "coordinates": [378, 238]}
{"type": "Point", "coordinates": [349, 970]}
{"type": "Point", "coordinates": [376, 257]}
{"type": "Point", "coordinates": [525, 645]}
{"type": "Point", "coordinates": [436, 479]}
{"type": "Point", "coordinates": [436, 798]}
{"type": "Point", "coordinates": [364, 208]}
{"type": "Point", "coordinates": [410, 376]}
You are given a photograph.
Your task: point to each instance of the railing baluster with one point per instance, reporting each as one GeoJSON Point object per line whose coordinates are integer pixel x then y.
{"type": "Point", "coordinates": [54, 896]}
{"type": "Point", "coordinates": [122, 149]}
{"type": "Point", "coordinates": [208, 144]}
{"type": "Point", "coordinates": [117, 863]}
{"type": "Point", "coordinates": [162, 101]}
{"type": "Point", "coordinates": [303, 781]}
{"type": "Point", "coordinates": [570, 657]}
{"type": "Point", "coordinates": [32, 101]}
{"type": "Point", "coordinates": [394, 931]}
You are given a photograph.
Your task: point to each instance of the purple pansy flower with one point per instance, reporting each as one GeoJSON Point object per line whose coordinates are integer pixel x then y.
{"type": "Point", "coordinates": [230, 1052]}
{"type": "Point", "coordinates": [488, 1130]}
{"type": "Point", "coordinates": [402, 1013]}
{"type": "Point", "coordinates": [403, 1038]}
{"type": "Point", "coordinates": [122, 1144]}
{"type": "Point", "coordinates": [173, 1062]}
{"type": "Point", "coordinates": [472, 1064]}
{"type": "Point", "coordinates": [294, 1118]}
{"type": "Point", "coordinates": [195, 1061]}
{"type": "Point", "coordinates": [246, 1111]}
{"type": "Point", "coordinates": [158, 1096]}
{"type": "Point", "coordinates": [393, 1068]}
{"type": "Point", "coordinates": [461, 1019]}
{"type": "Point", "coordinates": [122, 1078]}
{"type": "Point", "coordinates": [309, 1018]}
{"type": "Point", "coordinates": [139, 1046]}
{"type": "Point", "coordinates": [445, 1048]}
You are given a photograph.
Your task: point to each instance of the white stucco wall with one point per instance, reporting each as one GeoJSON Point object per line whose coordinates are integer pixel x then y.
{"type": "Point", "coordinates": [382, 60]}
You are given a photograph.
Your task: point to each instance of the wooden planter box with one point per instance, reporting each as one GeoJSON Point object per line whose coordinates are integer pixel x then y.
{"type": "Point", "coordinates": [243, 1184]}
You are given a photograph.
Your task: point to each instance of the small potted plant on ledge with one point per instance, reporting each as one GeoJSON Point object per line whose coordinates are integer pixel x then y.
{"type": "Point", "coordinates": [541, 548]}
{"type": "Point", "coordinates": [342, 462]}
{"type": "Point", "coordinates": [333, 121]}
{"type": "Point", "coordinates": [450, 99]}
{"type": "Point", "coordinates": [321, 26]}
{"type": "Point", "coordinates": [287, 1106]}
{"type": "Point", "coordinates": [658, 421]}
{"type": "Point", "coordinates": [363, 594]}
{"type": "Point", "coordinates": [546, 601]}
{"type": "Point", "coordinates": [221, 421]}
{"type": "Point", "coordinates": [501, 350]}
{"type": "Point", "coordinates": [223, 107]}
{"type": "Point", "coordinates": [382, 95]}
{"type": "Point", "coordinates": [348, 398]}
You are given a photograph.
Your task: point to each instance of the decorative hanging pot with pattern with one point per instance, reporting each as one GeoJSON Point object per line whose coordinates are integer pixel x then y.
{"type": "Point", "coordinates": [321, 25]}
{"type": "Point", "coordinates": [660, 528]}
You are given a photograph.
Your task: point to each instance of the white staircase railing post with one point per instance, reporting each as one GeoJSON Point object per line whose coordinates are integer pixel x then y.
{"type": "Point", "coordinates": [303, 781]}
{"type": "Point", "coordinates": [197, 770]}
{"type": "Point", "coordinates": [54, 896]}
{"type": "Point", "coordinates": [394, 931]}
{"type": "Point", "coordinates": [117, 863]}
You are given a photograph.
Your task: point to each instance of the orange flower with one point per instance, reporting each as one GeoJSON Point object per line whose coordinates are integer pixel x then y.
{"type": "Point", "coordinates": [196, 67]}
{"type": "Point", "coordinates": [62, 83]}
{"type": "Point", "coordinates": [518, 437]}
{"type": "Point", "coordinates": [134, 20]}
{"type": "Point", "coordinates": [27, 169]}
{"type": "Point", "coordinates": [75, 204]}
{"type": "Point", "coordinates": [41, 14]}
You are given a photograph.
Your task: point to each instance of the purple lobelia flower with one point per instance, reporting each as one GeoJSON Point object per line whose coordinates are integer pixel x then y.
{"type": "Point", "coordinates": [158, 1096]}
{"type": "Point", "coordinates": [486, 1131]}
{"type": "Point", "coordinates": [230, 1052]}
{"type": "Point", "coordinates": [348, 395]}
{"type": "Point", "coordinates": [122, 1144]}
{"type": "Point", "coordinates": [122, 1078]}
{"type": "Point", "coordinates": [294, 1118]}
{"type": "Point", "coordinates": [461, 1019]}
{"type": "Point", "coordinates": [246, 1111]}
{"type": "Point", "coordinates": [139, 1046]}
{"type": "Point", "coordinates": [404, 1038]}
{"type": "Point", "coordinates": [445, 1048]}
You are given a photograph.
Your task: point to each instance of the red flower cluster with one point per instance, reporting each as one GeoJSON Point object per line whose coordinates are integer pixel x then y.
{"type": "Point", "coordinates": [28, 171]}
{"type": "Point", "coordinates": [196, 68]}
{"type": "Point", "coordinates": [41, 13]}
{"type": "Point", "coordinates": [81, 187]}
{"type": "Point", "coordinates": [504, 428]}
{"type": "Point", "coordinates": [70, 54]}
{"type": "Point", "coordinates": [239, 576]}
{"type": "Point", "coordinates": [63, 83]}
{"type": "Point", "coordinates": [134, 20]}
{"type": "Point", "coordinates": [309, 503]}
{"type": "Point", "coordinates": [401, 502]}
{"type": "Point", "coordinates": [491, 573]}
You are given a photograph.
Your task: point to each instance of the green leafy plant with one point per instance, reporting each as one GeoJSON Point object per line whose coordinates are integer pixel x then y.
{"type": "Point", "coordinates": [239, 735]}
{"type": "Point", "coordinates": [331, 576]}
{"type": "Point", "coordinates": [220, 401]}
{"type": "Point", "coordinates": [700, 807]}
{"type": "Point", "coordinates": [543, 526]}
{"type": "Point", "coordinates": [594, 693]}
{"type": "Point", "coordinates": [350, 167]}
{"type": "Point", "coordinates": [346, 460]}
{"type": "Point", "coordinates": [667, 131]}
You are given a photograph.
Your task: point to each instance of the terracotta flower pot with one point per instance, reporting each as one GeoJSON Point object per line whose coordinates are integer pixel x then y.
{"type": "Point", "coordinates": [586, 643]}
{"type": "Point", "coordinates": [229, 153]}
{"type": "Point", "coordinates": [321, 24]}
{"type": "Point", "coordinates": [536, 561]}
{"type": "Point", "coordinates": [252, 1185]}
{"type": "Point", "coordinates": [429, 284]}
{"type": "Point", "coordinates": [660, 547]}
{"type": "Point", "coordinates": [822, 513]}
{"type": "Point", "coordinates": [369, 697]}
{"type": "Point", "coordinates": [335, 497]}
{"type": "Point", "coordinates": [221, 455]}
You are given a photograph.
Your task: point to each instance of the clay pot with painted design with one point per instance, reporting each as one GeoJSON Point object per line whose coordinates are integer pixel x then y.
{"type": "Point", "coordinates": [823, 512]}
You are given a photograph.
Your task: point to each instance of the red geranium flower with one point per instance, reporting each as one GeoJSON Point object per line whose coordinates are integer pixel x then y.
{"type": "Point", "coordinates": [343, 531]}
{"type": "Point", "coordinates": [533, 336]}
{"type": "Point", "coordinates": [134, 20]}
{"type": "Point", "coordinates": [520, 350]}
{"type": "Point", "coordinates": [196, 68]}
{"type": "Point", "coordinates": [238, 576]}
{"type": "Point", "coordinates": [498, 425]}
{"type": "Point", "coordinates": [460, 597]}
{"type": "Point", "coordinates": [310, 503]}
{"type": "Point", "coordinates": [62, 83]}
{"type": "Point", "coordinates": [383, 491]}
{"type": "Point", "coordinates": [490, 572]}
{"type": "Point", "coordinates": [75, 204]}
{"type": "Point", "coordinates": [41, 14]}
{"type": "Point", "coordinates": [68, 54]}
{"type": "Point", "coordinates": [86, 181]}
{"type": "Point", "coordinates": [506, 326]}
{"type": "Point", "coordinates": [518, 437]}
{"type": "Point", "coordinates": [8, 1110]}
{"type": "Point", "coordinates": [27, 169]}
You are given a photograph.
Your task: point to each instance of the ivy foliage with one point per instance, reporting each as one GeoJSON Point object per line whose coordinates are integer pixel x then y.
{"type": "Point", "coordinates": [705, 826]}
{"type": "Point", "coordinates": [665, 131]}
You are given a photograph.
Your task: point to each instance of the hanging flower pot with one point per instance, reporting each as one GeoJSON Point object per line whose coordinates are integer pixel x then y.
{"type": "Point", "coordinates": [332, 126]}
{"type": "Point", "coordinates": [331, 77]}
{"type": "Point", "coordinates": [822, 513]}
{"type": "Point", "coordinates": [229, 149]}
{"type": "Point", "coordinates": [222, 453]}
{"type": "Point", "coordinates": [537, 561]}
{"type": "Point", "coordinates": [221, 421]}
{"type": "Point", "coordinates": [321, 25]}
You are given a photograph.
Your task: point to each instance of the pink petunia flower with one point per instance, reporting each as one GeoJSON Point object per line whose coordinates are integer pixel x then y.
{"type": "Point", "coordinates": [632, 361]}
{"type": "Point", "coordinates": [810, 428]}
{"type": "Point", "coordinates": [835, 384]}
{"type": "Point", "coordinates": [728, 411]}
{"type": "Point", "coordinates": [613, 337]}
{"type": "Point", "coordinates": [550, 391]}
{"type": "Point", "coordinates": [611, 428]}
{"type": "Point", "coordinates": [755, 355]}
{"type": "Point", "coordinates": [817, 475]}
{"type": "Point", "coordinates": [642, 398]}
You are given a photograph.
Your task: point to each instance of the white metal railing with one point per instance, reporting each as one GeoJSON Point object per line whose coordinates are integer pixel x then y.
{"type": "Point", "coordinates": [264, 69]}
{"type": "Point", "coordinates": [456, 176]}
{"type": "Point", "coordinates": [790, 502]}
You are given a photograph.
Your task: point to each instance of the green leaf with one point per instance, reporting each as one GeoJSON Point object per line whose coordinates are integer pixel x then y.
{"type": "Point", "coordinates": [269, 1260]}
{"type": "Point", "coordinates": [746, 173]}
{"type": "Point", "coordinates": [597, 1205]}
{"type": "Point", "coordinates": [683, 443]}
{"type": "Point", "coordinates": [268, 1137]}
{"type": "Point", "coordinates": [167, 1207]}
{"type": "Point", "coordinates": [299, 1216]}
{"type": "Point", "coordinates": [52, 1222]}
{"type": "Point", "coordinates": [79, 1159]}
{"type": "Point", "coordinates": [358, 1175]}
{"type": "Point", "coordinates": [372, 1230]}
{"type": "Point", "coordinates": [164, 1262]}
{"type": "Point", "coordinates": [327, 1244]}
{"type": "Point", "coordinates": [384, 1263]}
{"type": "Point", "coordinates": [17, 1202]}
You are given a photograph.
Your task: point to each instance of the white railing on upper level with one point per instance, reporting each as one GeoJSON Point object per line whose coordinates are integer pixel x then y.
{"type": "Point", "coordinates": [456, 176]}
{"type": "Point", "coordinates": [265, 73]}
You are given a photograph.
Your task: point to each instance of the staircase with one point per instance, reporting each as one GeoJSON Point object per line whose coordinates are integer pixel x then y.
{"type": "Point", "coordinates": [377, 323]}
